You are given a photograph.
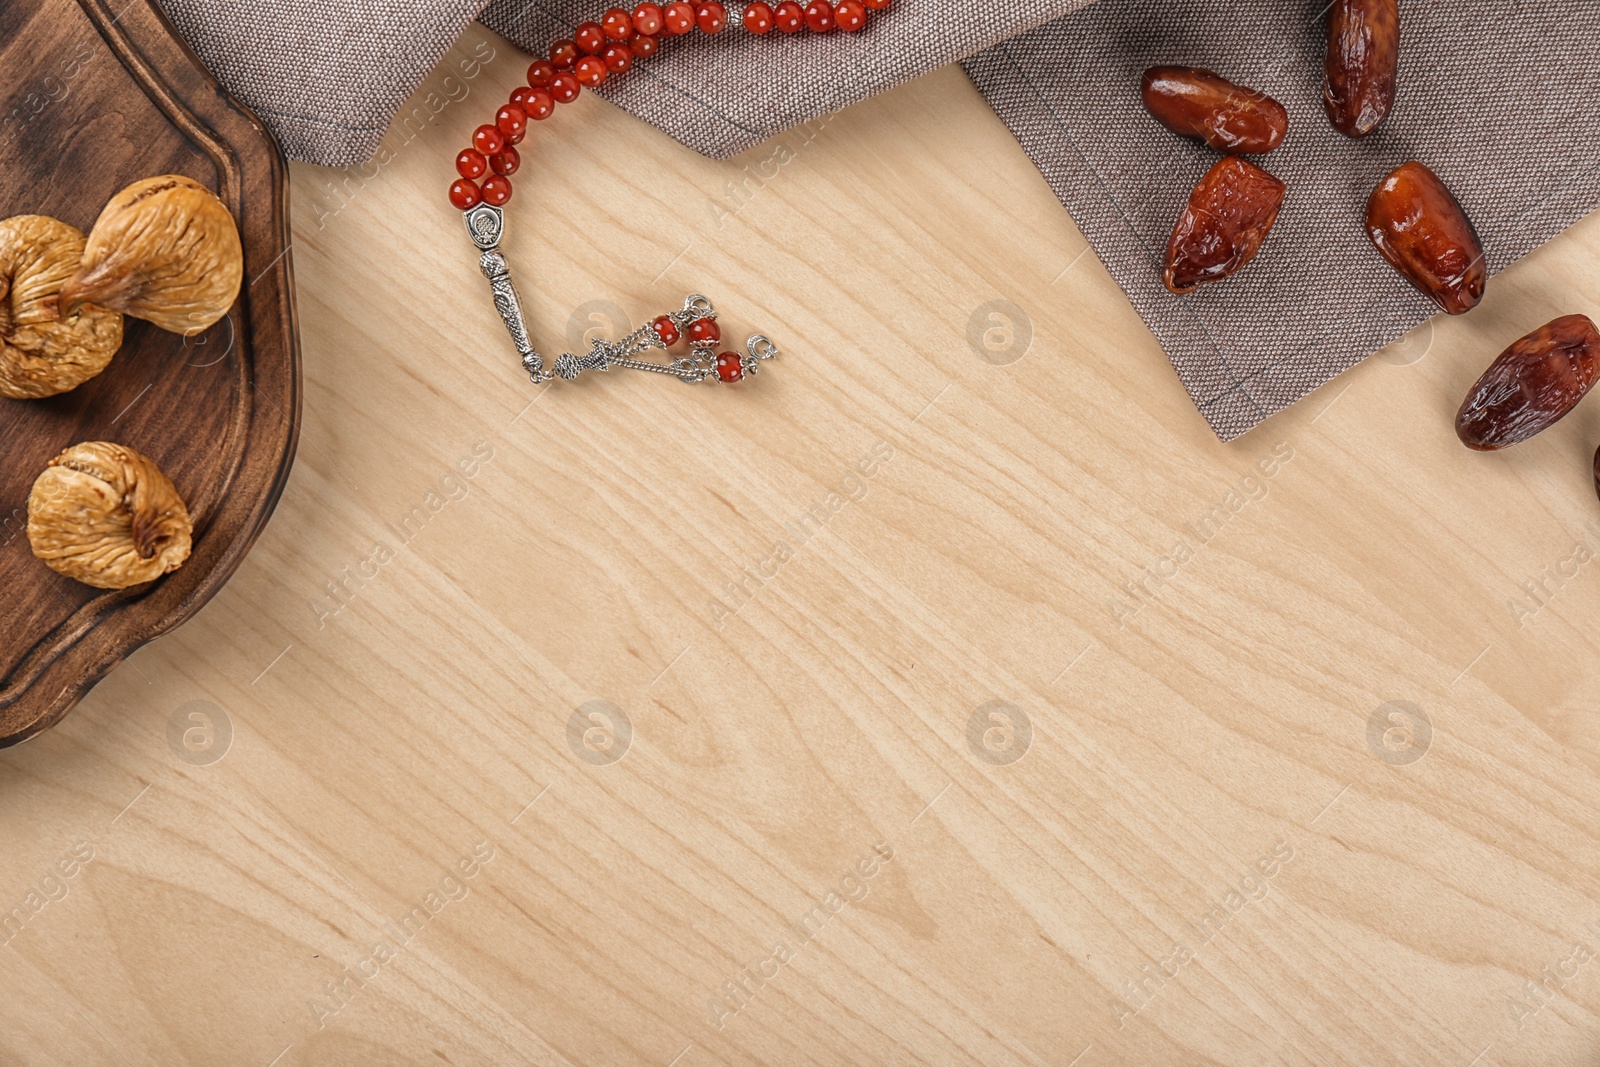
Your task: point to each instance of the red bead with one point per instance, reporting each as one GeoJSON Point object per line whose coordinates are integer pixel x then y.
{"type": "Point", "coordinates": [470, 163]}
{"type": "Point", "coordinates": [618, 58]}
{"type": "Point", "coordinates": [788, 17]}
{"type": "Point", "coordinates": [876, 5]}
{"type": "Point", "coordinates": [564, 87]}
{"type": "Point", "coordinates": [508, 162]}
{"type": "Point", "coordinates": [591, 71]}
{"type": "Point", "coordinates": [563, 54]}
{"type": "Point", "coordinates": [540, 71]}
{"type": "Point", "coordinates": [519, 96]}
{"type": "Point", "coordinates": [819, 16]}
{"type": "Point", "coordinates": [711, 17]}
{"type": "Point", "coordinates": [618, 24]}
{"type": "Point", "coordinates": [850, 15]}
{"type": "Point", "coordinates": [496, 191]}
{"type": "Point", "coordinates": [647, 19]}
{"type": "Point", "coordinates": [464, 193]}
{"type": "Point", "coordinates": [758, 18]}
{"type": "Point", "coordinates": [644, 46]}
{"type": "Point", "coordinates": [488, 140]}
{"type": "Point", "coordinates": [590, 38]}
{"type": "Point", "coordinates": [704, 331]}
{"type": "Point", "coordinates": [667, 330]}
{"type": "Point", "coordinates": [729, 367]}
{"type": "Point", "coordinates": [538, 104]}
{"type": "Point", "coordinates": [511, 121]}
{"type": "Point", "coordinates": [678, 18]}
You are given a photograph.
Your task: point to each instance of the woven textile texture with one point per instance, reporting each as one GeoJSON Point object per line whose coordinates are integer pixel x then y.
{"type": "Point", "coordinates": [731, 92]}
{"type": "Point", "coordinates": [326, 76]}
{"type": "Point", "coordinates": [1501, 100]}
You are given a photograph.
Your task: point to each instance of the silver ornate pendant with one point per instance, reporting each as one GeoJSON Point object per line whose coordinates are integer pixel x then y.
{"type": "Point", "coordinates": [486, 224]}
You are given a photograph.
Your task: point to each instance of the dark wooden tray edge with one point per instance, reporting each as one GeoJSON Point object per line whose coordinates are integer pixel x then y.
{"type": "Point", "coordinates": [142, 615]}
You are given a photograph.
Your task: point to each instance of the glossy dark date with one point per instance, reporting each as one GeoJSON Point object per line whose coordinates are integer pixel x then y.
{"type": "Point", "coordinates": [1419, 227]}
{"type": "Point", "coordinates": [1531, 385]}
{"type": "Point", "coordinates": [1229, 215]}
{"type": "Point", "coordinates": [1194, 102]}
{"type": "Point", "coordinates": [1363, 58]}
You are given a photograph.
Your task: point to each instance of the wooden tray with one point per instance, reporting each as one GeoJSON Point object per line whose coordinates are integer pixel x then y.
{"type": "Point", "coordinates": [96, 94]}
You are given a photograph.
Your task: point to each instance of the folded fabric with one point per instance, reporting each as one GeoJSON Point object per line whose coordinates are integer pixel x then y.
{"type": "Point", "coordinates": [731, 92]}
{"type": "Point", "coordinates": [1498, 99]}
{"type": "Point", "coordinates": [328, 76]}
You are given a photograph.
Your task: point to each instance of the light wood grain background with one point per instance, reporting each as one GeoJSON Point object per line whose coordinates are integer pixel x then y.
{"type": "Point", "coordinates": [1113, 699]}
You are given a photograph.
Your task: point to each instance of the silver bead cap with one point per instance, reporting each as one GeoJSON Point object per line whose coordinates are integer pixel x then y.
{"type": "Point", "coordinates": [485, 224]}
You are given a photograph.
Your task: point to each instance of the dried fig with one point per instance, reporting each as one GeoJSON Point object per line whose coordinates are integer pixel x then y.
{"type": "Point", "coordinates": [105, 515]}
{"type": "Point", "coordinates": [165, 250]}
{"type": "Point", "coordinates": [1363, 59]}
{"type": "Point", "coordinates": [1229, 214]}
{"type": "Point", "coordinates": [41, 353]}
{"type": "Point", "coordinates": [1531, 385]}
{"type": "Point", "coordinates": [1419, 227]}
{"type": "Point", "coordinates": [1194, 102]}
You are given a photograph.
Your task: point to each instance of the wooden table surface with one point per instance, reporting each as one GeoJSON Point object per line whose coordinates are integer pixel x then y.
{"type": "Point", "coordinates": [945, 695]}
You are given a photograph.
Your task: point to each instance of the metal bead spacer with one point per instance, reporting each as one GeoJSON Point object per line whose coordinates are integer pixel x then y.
{"type": "Point", "coordinates": [485, 225]}
{"type": "Point", "coordinates": [695, 307]}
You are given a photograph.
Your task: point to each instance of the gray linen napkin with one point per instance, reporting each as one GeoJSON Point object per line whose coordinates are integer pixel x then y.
{"type": "Point", "coordinates": [724, 94]}
{"type": "Point", "coordinates": [326, 76]}
{"type": "Point", "coordinates": [1500, 99]}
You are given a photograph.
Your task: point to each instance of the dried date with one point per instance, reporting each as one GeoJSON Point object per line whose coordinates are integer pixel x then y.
{"type": "Point", "coordinates": [1229, 215]}
{"type": "Point", "coordinates": [1531, 385]}
{"type": "Point", "coordinates": [1363, 58]}
{"type": "Point", "coordinates": [1419, 227]}
{"type": "Point", "coordinates": [1194, 102]}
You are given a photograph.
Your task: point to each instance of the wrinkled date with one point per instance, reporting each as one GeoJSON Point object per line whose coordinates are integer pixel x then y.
{"type": "Point", "coordinates": [1363, 56]}
{"type": "Point", "coordinates": [1418, 226]}
{"type": "Point", "coordinates": [1531, 385]}
{"type": "Point", "coordinates": [1229, 214]}
{"type": "Point", "coordinates": [1193, 102]}
{"type": "Point", "coordinates": [1597, 472]}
